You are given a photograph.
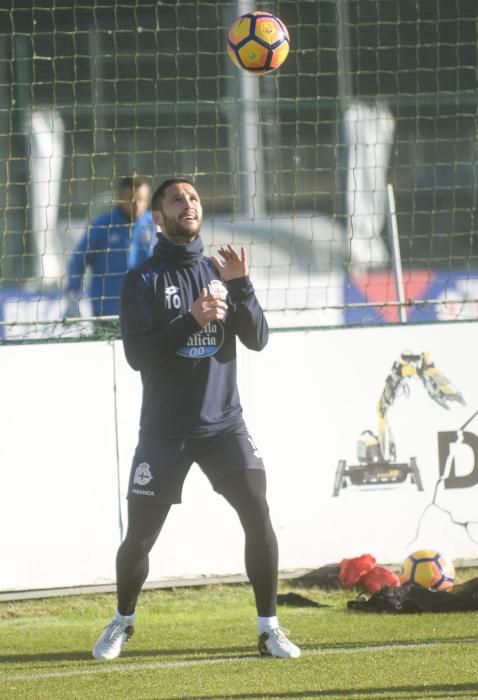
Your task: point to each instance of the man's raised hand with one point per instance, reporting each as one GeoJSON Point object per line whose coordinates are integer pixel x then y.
{"type": "Point", "coordinates": [231, 265]}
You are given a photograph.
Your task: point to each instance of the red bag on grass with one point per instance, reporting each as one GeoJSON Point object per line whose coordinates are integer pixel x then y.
{"type": "Point", "coordinates": [352, 570]}
{"type": "Point", "coordinates": [379, 577]}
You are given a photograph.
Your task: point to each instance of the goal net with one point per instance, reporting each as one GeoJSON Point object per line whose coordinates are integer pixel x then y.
{"type": "Point", "coordinates": [294, 165]}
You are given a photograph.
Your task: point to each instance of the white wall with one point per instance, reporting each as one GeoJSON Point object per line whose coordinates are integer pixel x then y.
{"type": "Point", "coordinates": [307, 397]}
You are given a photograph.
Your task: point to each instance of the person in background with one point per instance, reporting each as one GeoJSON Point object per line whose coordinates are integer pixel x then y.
{"type": "Point", "coordinates": [181, 315]}
{"type": "Point", "coordinates": [112, 243]}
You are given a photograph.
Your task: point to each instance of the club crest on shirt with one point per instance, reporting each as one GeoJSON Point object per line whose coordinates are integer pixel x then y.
{"type": "Point", "coordinates": [217, 287]}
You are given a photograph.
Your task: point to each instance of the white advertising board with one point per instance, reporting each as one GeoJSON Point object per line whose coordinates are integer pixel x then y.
{"type": "Point", "coordinates": [70, 419]}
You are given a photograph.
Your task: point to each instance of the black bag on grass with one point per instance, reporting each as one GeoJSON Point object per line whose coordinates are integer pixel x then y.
{"type": "Point", "coordinates": [411, 598]}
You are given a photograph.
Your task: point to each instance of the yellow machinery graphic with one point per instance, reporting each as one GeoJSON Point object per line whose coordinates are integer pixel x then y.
{"type": "Point", "coordinates": [376, 453]}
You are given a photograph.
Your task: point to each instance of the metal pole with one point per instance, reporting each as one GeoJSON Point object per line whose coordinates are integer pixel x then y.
{"type": "Point", "coordinates": [344, 74]}
{"type": "Point", "coordinates": [345, 95]}
{"type": "Point", "coordinates": [395, 248]}
{"type": "Point", "coordinates": [250, 147]}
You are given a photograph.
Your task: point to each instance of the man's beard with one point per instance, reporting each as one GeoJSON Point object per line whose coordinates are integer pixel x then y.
{"type": "Point", "coordinates": [176, 231]}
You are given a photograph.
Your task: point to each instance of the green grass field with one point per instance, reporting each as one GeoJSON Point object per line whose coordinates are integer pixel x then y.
{"type": "Point", "coordinates": [201, 643]}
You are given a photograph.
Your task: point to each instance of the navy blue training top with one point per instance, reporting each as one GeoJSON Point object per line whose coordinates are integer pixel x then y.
{"type": "Point", "coordinates": [188, 372]}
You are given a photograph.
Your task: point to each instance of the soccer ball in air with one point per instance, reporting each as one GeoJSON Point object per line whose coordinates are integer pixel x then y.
{"type": "Point", "coordinates": [258, 42]}
{"type": "Point", "coordinates": [428, 568]}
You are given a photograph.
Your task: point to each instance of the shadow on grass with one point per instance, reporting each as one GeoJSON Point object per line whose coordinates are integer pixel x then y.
{"type": "Point", "coordinates": [230, 652]}
{"type": "Point", "coordinates": [180, 655]}
{"type": "Point", "coordinates": [45, 656]}
{"type": "Point", "coordinates": [410, 692]}
{"type": "Point", "coordinates": [387, 644]}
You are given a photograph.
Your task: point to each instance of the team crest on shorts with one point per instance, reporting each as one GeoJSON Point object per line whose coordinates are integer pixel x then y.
{"type": "Point", "coordinates": [142, 475]}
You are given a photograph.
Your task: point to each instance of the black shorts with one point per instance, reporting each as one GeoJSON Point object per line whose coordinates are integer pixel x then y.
{"type": "Point", "coordinates": [160, 465]}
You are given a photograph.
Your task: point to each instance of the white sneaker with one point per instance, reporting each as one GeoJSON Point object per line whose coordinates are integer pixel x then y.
{"type": "Point", "coordinates": [112, 640]}
{"type": "Point", "coordinates": [275, 643]}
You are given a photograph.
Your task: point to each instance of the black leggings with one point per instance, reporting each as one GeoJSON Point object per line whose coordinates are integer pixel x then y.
{"type": "Point", "coordinates": [246, 492]}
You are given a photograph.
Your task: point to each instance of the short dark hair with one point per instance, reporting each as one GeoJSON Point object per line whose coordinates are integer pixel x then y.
{"type": "Point", "coordinates": [159, 192]}
{"type": "Point", "coordinates": [132, 183]}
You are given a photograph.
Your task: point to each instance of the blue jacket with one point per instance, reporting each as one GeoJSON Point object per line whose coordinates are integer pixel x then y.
{"type": "Point", "coordinates": [109, 247]}
{"type": "Point", "coordinates": [188, 372]}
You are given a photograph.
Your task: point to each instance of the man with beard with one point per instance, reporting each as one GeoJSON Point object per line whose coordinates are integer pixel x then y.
{"type": "Point", "coordinates": [180, 315]}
